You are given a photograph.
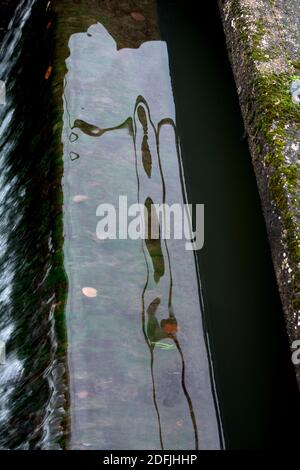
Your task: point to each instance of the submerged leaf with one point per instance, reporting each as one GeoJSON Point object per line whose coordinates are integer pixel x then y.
{"type": "Point", "coordinates": [80, 198]}
{"type": "Point", "coordinates": [89, 291]}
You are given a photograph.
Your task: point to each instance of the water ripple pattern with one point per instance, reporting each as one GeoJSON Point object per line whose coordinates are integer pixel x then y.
{"type": "Point", "coordinates": [139, 368]}
{"type": "Point", "coordinates": [31, 389]}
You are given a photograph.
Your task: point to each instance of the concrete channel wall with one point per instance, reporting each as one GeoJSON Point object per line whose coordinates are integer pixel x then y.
{"type": "Point", "coordinates": [263, 41]}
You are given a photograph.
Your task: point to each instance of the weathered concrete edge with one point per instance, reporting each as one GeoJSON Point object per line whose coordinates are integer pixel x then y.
{"type": "Point", "coordinates": [263, 44]}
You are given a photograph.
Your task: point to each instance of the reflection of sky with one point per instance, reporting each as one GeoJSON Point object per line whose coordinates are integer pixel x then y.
{"type": "Point", "coordinates": [106, 82]}
{"type": "Point", "coordinates": [110, 378]}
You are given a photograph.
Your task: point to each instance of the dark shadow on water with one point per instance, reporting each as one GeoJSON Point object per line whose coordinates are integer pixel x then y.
{"type": "Point", "coordinates": [255, 379]}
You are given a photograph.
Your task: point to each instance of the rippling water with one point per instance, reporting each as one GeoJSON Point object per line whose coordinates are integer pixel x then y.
{"type": "Point", "coordinates": [135, 355]}
{"type": "Point", "coordinates": [32, 391]}
{"type": "Point", "coordinates": [133, 384]}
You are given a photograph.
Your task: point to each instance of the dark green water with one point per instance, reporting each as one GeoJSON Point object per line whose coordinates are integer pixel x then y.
{"type": "Point", "coordinates": [255, 380]}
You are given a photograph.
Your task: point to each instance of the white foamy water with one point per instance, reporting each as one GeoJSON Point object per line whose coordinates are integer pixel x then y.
{"type": "Point", "coordinates": [10, 50]}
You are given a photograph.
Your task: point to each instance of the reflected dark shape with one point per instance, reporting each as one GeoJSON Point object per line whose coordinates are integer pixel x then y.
{"type": "Point", "coordinates": [153, 328]}
{"type": "Point", "coordinates": [146, 154]}
{"type": "Point", "coordinates": [154, 244]}
{"type": "Point", "coordinates": [74, 156]}
{"type": "Point", "coordinates": [155, 331]}
{"type": "Point", "coordinates": [167, 328]}
{"type": "Point", "coordinates": [94, 131]}
{"type": "Point", "coordinates": [169, 324]}
{"type": "Point", "coordinates": [73, 137]}
{"type": "Point", "coordinates": [88, 129]}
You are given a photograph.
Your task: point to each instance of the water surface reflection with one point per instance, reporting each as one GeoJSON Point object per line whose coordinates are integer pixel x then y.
{"type": "Point", "coordinates": [139, 369]}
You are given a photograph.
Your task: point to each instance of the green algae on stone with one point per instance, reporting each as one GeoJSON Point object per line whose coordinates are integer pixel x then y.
{"type": "Point", "coordinates": [263, 52]}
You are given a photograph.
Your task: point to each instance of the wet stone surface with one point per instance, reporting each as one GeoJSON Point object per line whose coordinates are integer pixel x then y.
{"type": "Point", "coordinates": [263, 39]}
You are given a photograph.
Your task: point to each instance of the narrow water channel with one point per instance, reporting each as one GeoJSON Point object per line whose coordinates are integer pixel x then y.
{"type": "Point", "coordinates": [133, 384]}
{"type": "Point", "coordinates": [257, 391]}
{"type": "Point", "coordinates": [121, 343]}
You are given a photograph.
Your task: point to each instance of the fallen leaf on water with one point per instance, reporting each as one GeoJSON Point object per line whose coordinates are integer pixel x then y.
{"type": "Point", "coordinates": [80, 198]}
{"type": "Point", "coordinates": [48, 72]}
{"type": "Point", "coordinates": [89, 291]}
{"type": "Point", "coordinates": [170, 328]}
{"type": "Point", "coordinates": [137, 16]}
{"type": "Point", "coordinates": [83, 394]}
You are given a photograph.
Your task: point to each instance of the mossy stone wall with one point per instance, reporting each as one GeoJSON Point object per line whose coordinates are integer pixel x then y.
{"type": "Point", "coordinates": [263, 41]}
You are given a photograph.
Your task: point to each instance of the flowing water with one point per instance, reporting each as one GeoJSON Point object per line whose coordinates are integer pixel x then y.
{"type": "Point", "coordinates": [32, 394]}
